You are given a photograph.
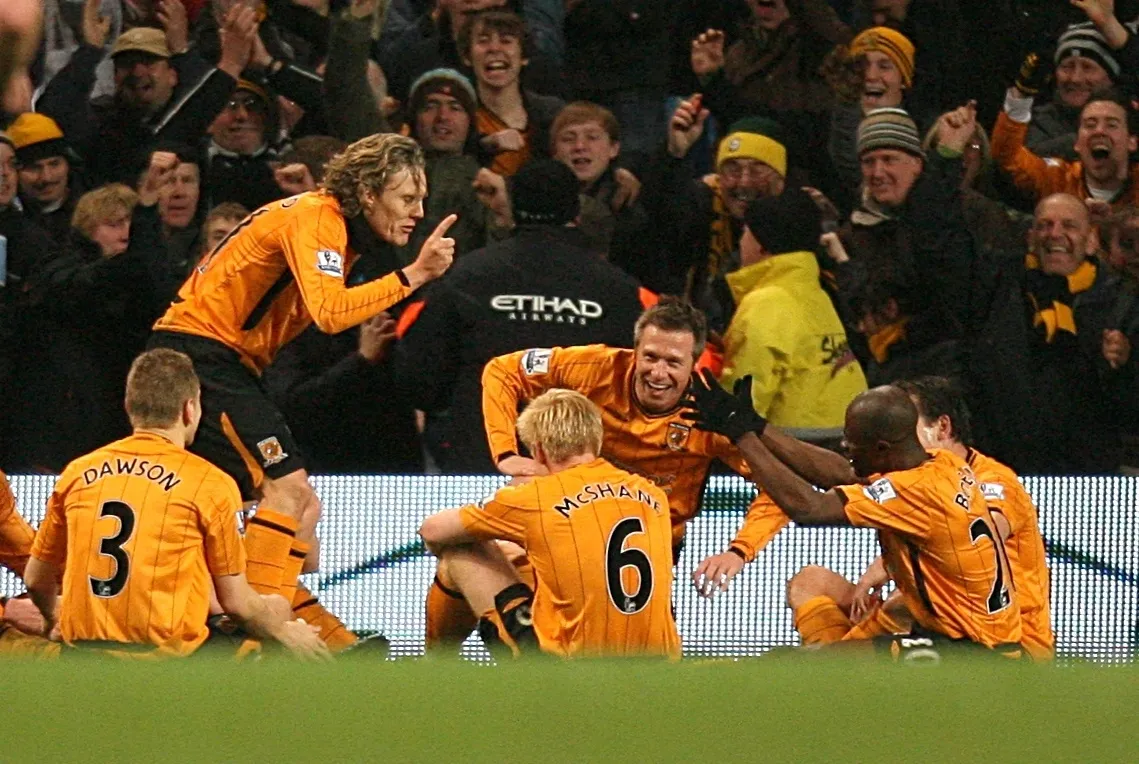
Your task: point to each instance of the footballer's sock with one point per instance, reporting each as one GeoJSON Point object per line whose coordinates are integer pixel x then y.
{"type": "Point", "coordinates": [877, 623]}
{"type": "Point", "coordinates": [297, 553]}
{"type": "Point", "coordinates": [820, 621]}
{"type": "Point", "coordinates": [269, 536]}
{"type": "Point", "coordinates": [449, 618]}
{"type": "Point", "coordinates": [334, 633]}
{"type": "Point", "coordinates": [508, 629]}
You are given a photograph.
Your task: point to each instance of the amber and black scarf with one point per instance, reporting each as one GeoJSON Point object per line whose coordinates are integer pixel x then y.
{"type": "Point", "coordinates": [1052, 295]}
{"type": "Point", "coordinates": [721, 242]}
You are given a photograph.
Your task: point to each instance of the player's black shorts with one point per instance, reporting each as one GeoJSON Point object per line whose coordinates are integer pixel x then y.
{"type": "Point", "coordinates": [242, 431]}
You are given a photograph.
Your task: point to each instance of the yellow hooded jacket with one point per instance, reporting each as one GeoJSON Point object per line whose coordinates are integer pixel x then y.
{"type": "Point", "coordinates": [787, 335]}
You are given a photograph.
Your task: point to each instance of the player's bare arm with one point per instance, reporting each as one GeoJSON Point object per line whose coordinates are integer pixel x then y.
{"type": "Point", "coordinates": [731, 414]}
{"type": "Point", "coordinates": [42, 579]}
{"type": "Point", "coordinates": [239, 600]}
{"type": "Point", "coordinates": [821, 467]}
{"type": "Point", "coordinates": [795, 496]}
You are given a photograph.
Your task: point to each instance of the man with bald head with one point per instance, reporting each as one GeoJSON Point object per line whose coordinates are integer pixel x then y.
{"type": "Point", "coordinates": [939, 542]}
{"type": "Point", "coordinates": [1053, 371]}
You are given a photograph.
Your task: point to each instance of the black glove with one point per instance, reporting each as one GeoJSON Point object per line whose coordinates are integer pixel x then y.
{"type": "Point", "coordinates": [1034, 73]}
{"type": "Point", "coordinates": [714, 409]}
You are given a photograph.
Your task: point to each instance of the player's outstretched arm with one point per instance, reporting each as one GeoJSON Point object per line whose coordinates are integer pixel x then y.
{"type": "Point", "coordinates": [239, 600]}
{"type": "Point", "coordinates": [714, 409]}
{"type": "Point", "coordinates": [42, 579]}
{"type": "Point", "coordinates": [795, 496]}
{"type": "Point", "coordinates": [823, 468]}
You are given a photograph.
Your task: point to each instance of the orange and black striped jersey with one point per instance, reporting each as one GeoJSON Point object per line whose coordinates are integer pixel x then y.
{"type": "Point", "coordinates": [600, 540]}
{"type": "Point", "coordinates": [664, 448]}
{"type": "Point", "coordinates": [1025, 548]}
{"type": "Point", "coordinates": [141, 527]}
{"type": "Point", "coordinates": [279, 270]}
{"type": "Point", "coordinates": [16, 535]}
{"type": "Point", "coordinates": [941, 548]}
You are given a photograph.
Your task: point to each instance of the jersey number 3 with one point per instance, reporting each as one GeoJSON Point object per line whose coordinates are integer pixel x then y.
{"type": "Point", "coordinates": [112, 546]}
{"type": "Point", "coordinates": [617, 558]}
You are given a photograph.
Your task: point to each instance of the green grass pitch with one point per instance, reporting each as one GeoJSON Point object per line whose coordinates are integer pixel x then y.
{"type": "Point", "coordinates": [774, 709]}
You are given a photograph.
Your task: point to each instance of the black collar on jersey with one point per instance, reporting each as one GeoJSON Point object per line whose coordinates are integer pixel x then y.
{"type": "Point", "coordinates": [378, 256]}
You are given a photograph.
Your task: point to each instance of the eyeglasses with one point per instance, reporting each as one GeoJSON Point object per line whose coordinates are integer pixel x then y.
{"type": "Point", "coordinates": [737, 170]}
{"type": "Point", "coordinates": [249, 103]}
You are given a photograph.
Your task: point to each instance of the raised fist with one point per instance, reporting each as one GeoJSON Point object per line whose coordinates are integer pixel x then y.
{"type": "Point", "coordinates": [686, 125]}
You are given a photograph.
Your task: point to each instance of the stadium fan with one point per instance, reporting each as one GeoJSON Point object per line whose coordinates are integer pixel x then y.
{"type": "Point", "coordinates": [938, 538]}
{"type": "Point", "coordinates": [139, 529]}
{"type": "Point", "coordinates": [785, 333]}
{"type": "Point", "coordinates": [279, 271]}
{"type": "Point", "coordinates": [513, 124]}
{"type": "Point", "coordinates": [50, 183]}
{"type": "Point", "coordinates": [161, 93]}
{"type": "Point", "coordinates": [598, 536]}
{"type": "Point", "coordinates": [587, 139]}
{"type": "Point", "coordinates": [639, 392]}
{"type": "Point", "coordinates": [1105, 140]}
{"type": "Point", "coordinates": [828, 607]}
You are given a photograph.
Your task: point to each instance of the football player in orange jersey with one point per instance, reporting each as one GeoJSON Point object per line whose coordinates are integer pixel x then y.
{"type": "Point", "coordinates": [639, 393]}
{"type": "Point", "coordinates": [141, 528]}
{"type": "Point", "coordinates": [280, 270]}
{"type": "Point", "coordinates": [943, 422]}
{"type": "Point", "coordinates": [599, 537]}
{"type": "Point", "coordinates": [20, 620]}
{"type": "Point", "coordinates": [940, 542]}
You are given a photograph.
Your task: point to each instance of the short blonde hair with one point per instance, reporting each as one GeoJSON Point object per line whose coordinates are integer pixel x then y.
{"type": "Point", "coordinates": [370, 164]}
{"type": "Point", "coordinates": [563, 422]}
{"type": "Point", "coordinates": [102, 205]}
{"type": "Point", "coordinates": [158, 385]}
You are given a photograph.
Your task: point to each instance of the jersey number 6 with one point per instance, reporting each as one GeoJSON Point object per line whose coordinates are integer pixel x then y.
{"type": "Point", "coordinates": [617, 558]}
{"type": "Point", "coordinates": [112, 546]}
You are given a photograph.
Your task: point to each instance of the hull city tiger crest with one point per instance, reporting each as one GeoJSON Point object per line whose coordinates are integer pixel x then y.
{"type": "Point", "coordinates": [271, 451]}
{"type": "Point", "coordinates": [677, 435]}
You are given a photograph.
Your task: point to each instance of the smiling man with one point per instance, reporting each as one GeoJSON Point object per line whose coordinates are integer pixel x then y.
{"type": "Point", "coordinates": [1104, 142]}
{"type": "Point", "coordinates": [239, 154]}
{"type": "Point", "coordinates": [513, 124]}
{"type": "Point", "coordinates": [44, 158]}
{"type": "Point", "coordinates": [703, 219]}
{"type": "Point", "coordinates": [1053, 380]}
{"type": "Point", "coordinates": [282, 269]}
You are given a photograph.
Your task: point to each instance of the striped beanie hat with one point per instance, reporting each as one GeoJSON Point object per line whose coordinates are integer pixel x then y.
{"type": "Point", "coordinates": [1084, 40]}
{"type": "Point", "coordinates": [889, 128]}
{"type": "Point", "coordinates": [893, 44]}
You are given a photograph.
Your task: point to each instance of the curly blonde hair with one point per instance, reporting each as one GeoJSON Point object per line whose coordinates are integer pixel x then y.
{"type": "Point", "coordinates": [102, 205]}
{"type": "Point", "coordinates": [370, 164]}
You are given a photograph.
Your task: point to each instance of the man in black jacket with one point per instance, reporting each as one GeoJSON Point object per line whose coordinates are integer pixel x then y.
{"type": "Point", "coordinates": [153, 101]}
{"type": "Point", "coordinates": [543, 287]}
{"type": "Point", "coordinates": [1054, 370]}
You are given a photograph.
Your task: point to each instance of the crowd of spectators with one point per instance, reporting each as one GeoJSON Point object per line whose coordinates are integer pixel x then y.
{"type": "Point", "coordinates": [855, 192]}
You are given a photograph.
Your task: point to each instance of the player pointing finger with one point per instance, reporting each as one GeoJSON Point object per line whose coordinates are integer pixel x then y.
{"type": "Point", "coordinates": [435, 255]}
